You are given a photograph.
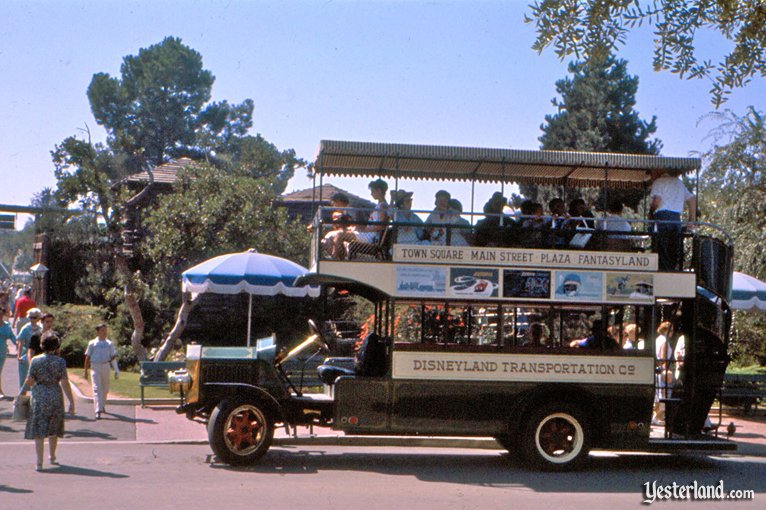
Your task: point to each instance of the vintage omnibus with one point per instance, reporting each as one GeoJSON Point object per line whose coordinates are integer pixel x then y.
{"type": "Point", "coordinates": [540, 332]}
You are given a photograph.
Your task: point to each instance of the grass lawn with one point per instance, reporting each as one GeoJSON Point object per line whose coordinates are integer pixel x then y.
{"type": "Point", "coordinates": [750, 369]}
{"type": "Point", "coordinates": [126, 386]}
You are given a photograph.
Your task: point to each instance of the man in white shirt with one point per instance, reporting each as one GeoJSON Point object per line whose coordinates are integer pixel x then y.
{"type": "Point", "coordinates": [669, 198]}
{"type": "Point", "coordinates": [99, 356]}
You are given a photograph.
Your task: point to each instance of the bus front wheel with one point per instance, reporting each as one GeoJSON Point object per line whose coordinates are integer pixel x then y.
{"type": "Point", "coordinates": [556, 438]}
{"type": "Point", "coordinates": [240, 431]}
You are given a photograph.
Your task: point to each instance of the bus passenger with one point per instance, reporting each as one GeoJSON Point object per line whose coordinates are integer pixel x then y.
{"type": "Point", "coordinates": [537, 336]}
{"type": "Point", "coordinates": [669, 198]}
{"type": "Point", "coordinates": [630, 334]}
{"type": "Point", "coordinates": [409, 228]}
{"type": "Point", "coordinates": [598, 338]}
{"type": "Point", "coordinates": [489, 232]}
{"type": "Point", "coordinates": [579, 209]}
{"type": "Point", "coordinates": [439, 216]}
{"type": "Point", "coordinates": [665, 376]}
{"type": "Point", "coordinates": [340, 223]}
{"type": "Point", "coordinates": [532, 224]}
{"type": "Point", "coordinates": [369, 234]}
{"type": "Point", "coordinates": [458, 236]}
{"type": "Point", "coordinates": [558, 211]}
{"type": "Point", "coordinates": [616, 226]}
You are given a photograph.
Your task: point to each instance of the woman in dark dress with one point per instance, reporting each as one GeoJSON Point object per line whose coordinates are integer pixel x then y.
{"type": "Point", "coordinates": [47, 377]}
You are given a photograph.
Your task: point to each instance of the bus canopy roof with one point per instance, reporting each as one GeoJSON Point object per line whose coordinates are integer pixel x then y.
{"type": "Point", "coordinates": [561, 168]}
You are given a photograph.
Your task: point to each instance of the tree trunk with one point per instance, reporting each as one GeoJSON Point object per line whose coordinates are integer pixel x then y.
{"type": "Point", "coordinates": [134, 308]}
{"type": "Point", "coordinates": [183, 315]}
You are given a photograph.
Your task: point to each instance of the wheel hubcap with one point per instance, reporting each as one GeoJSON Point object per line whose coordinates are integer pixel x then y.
{"type": "Point", "coordinates": [559, 438]}
{"type": "Point", "coordinates": [244, 429]}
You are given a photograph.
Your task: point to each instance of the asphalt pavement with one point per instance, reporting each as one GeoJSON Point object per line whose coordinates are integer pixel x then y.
{"type": "Point", "coordinates": [126, 420]}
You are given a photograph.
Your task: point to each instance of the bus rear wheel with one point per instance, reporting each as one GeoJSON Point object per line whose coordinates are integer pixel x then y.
{"type": "Point", "coordinates": [556, 438]}
{"type": "Point", "coordinates": [240, 431]}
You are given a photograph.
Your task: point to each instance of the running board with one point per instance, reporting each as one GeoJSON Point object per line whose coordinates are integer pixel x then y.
{"type": "Point", "coordinates": [701, 444]}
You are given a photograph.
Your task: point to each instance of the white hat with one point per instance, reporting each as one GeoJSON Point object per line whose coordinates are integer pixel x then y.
{"type": "Point", "coordinates": [34, 313]}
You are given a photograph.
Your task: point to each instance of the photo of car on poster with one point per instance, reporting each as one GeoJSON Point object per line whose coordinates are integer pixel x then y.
{"type": "Point", "coordinates": [468, 281]}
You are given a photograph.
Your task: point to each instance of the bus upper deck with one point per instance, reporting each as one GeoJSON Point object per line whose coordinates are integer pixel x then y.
{"type": "Point", "coordinates": [635, 247]}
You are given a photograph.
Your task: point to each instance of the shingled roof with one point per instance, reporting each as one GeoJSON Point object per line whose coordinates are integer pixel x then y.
{"type": "Point", "coordinates": [165, 174]}
{"type": "Point", "coordinates": [325, 191]}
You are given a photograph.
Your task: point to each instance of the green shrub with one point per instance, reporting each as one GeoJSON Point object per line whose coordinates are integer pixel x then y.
{"type": "Point", "coordinates": [76, 324]}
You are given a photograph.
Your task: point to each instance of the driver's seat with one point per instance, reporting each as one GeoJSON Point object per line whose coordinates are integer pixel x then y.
{"type": "Point", "coordinates": [329, 373]}
{"type": "Point", "coordinates": [370, 361]}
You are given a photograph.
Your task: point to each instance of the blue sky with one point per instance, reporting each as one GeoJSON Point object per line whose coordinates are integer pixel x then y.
{"type": "Point", "coordinates": [447, 73]}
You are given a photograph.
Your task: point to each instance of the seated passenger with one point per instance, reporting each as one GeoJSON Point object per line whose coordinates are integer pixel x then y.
{"type": "Point", "coordinates": [370, 234]}
{"type": "Point", "coordinates": [598, 338]}
{"type": "Point", "coordinates": [440, 215]}
{"type": "Point", "coordinates": [458, 236]}
{"type": "Point", "coordinates": [537, 336]}
{"type": "Point", "coordinates": [409, 228]}
{"type": "Point", "coordinates": [558, 211]}
{"type": "Point", "coordinates": [580, 215]}
{"type": "Point", "coordinates": [630, 334]}
{"type": "Point", "coordinates": [340, 222]}
{"type": "Point", "coordinates": [532, 224]}
{"type": "Point", "coordinates": [489, 231]}
{"type": "Point", "coordinates": [614, 224]}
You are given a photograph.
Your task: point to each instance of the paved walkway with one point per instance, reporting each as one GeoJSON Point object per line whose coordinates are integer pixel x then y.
{"type": "Point", "coordinates": [127, 421]}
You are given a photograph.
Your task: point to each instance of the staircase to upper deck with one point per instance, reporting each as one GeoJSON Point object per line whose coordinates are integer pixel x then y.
{"type": "Point", "coordinates": [708, 318]}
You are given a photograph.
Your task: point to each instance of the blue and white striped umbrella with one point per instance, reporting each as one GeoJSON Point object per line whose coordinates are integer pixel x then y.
{"type": "Point", "coordinates": [747, 293]}
{"type": "Point", "coordinates": [251, 272]}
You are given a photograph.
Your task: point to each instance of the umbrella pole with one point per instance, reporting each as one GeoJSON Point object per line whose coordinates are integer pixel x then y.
{"type": "Point", "coordinates": [249, 316]}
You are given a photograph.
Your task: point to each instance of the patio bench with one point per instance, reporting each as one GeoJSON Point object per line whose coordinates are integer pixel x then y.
{"type": "Point", "coordinates": [744, 390]}
{"type": "Point", "coordinates": [155, 374]}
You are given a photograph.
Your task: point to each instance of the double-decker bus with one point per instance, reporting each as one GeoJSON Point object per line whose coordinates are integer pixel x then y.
{"type": "Point", "coordinates": [540, 332]}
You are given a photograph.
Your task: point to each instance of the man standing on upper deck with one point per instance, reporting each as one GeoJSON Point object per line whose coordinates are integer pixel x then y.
{"type": "Point", "coordinates": [669, 197]}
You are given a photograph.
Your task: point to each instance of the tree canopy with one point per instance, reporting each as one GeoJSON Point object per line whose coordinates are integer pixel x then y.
{"type": "Point", "coordinates": [158, 109]}
{"type": "Point", "coordinates": [733, 187]}
{"type": "Point", "coordinates": [591, 29]}
{"type": "Point", "coordinates": [596, 112]}
{"type": "Point", "coordinates": [160, 106]}
{"type": "Point", "coordinates": [211, 212]}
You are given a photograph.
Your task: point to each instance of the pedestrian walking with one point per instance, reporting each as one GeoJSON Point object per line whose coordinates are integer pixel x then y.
{"type": "Point", "coordinates": [21, 308]}
{"type": "Point", "coordinates": [22, 342]}
{"type": "Point", "coordinates": [100, 356]}
{"type": "Point", "coordinates": [6, 333]}
{"type": "Point", "coordinates": [47, 378]}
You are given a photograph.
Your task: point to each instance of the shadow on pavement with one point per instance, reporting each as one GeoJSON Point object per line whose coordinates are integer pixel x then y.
{"type": "Point", "coordinates": [127, 419]}
{"type": "Point", "coordinates": [605, 474]}
{"type": "Point", "coordinates": [89, 434]}
{"type": "Point", "coordinates": [80, 471]}
{"type": "Point", "coordinates": [14, 490]}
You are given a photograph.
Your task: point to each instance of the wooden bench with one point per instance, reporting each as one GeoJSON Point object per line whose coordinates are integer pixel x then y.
{"type": "Point", "coordinates": [744, 390]}
{"type": "Point", "coordinates": [155, 374]}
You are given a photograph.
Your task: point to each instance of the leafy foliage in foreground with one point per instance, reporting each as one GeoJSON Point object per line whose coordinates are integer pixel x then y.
{"type": "Point", "coordinates": [592, 30]}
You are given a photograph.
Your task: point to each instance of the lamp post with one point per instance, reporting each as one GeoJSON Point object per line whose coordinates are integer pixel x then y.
{"type": "Point", "coordinates": [39, 271]}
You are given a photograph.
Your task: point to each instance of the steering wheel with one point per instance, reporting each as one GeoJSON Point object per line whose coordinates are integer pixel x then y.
{"type": "Point", "coordinates": [320, 340]}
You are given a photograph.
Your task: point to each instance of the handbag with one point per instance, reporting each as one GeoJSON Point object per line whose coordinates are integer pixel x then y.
{"type": "Point", "coordinates": [21, 408]}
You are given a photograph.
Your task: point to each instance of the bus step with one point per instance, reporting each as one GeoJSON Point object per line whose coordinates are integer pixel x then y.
{"type": "Point", "coordinates": [699, 444]}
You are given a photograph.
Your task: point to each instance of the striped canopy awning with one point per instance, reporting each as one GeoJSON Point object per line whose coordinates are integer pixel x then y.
{"type": "Point", "coordinates": [562, 168]}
